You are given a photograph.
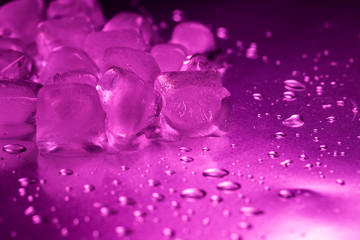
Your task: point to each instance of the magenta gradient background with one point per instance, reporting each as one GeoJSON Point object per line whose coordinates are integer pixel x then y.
{"type": "Point", "coordinates": [321, 208]}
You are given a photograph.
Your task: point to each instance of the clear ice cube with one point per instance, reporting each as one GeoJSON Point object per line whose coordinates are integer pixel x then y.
{"type": "Point", "coordinates": [96, 43]}
{"type": "Point", "coordinates": [194, 103]}
{"type": "Point", "coordinates": [66, 59]}
{"type": "Point", "coordinates": [132, 108]}
{"type": "Point", "coordinates": [19, 19]}
{"type": "Point", "coordinates": [75, 77]}
{"type": "Point", "coordinates": [15, 65]}
{"type": "Point", "coordinates": [67, 31]}
{"type": "Point", "coordinates": [197, 62]}
{"type": "Point", "coordinates": [194, 36]}
{"type": "Point", "coordinates": [70, 119]}
{"type": "Point", "coordinates": [84, 8]}
{"type": "Point", "coordinates": [170, 57]}
{"type": "Point", "coordinates": [17, 108]}
{"type": "Point", "coordinates": [131, 20]}
{"type": "Point", "coordinates": [140, 62]}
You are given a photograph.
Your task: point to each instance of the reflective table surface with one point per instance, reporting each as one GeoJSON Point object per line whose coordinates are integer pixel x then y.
{"type": "Point", "coordinates": [263, 180]}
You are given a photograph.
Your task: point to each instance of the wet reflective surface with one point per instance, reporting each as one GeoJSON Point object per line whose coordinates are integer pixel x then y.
{"type": "Point", "coordinates": [263, 180]}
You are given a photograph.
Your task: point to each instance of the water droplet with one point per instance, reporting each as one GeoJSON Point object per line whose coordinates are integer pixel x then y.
{"type": "Point", "coordinates": [153, 183]}
{"type": "Point", "coordinates": [186, 159]}
{"type": "Point", "coordinates": [280, 135]}
{"type": "Point", "coordinates": [193, 193]}
{"type": "Point", "coordinates": [294, 85]}
{"type": "Point", "coordinates": [65, 172]}
{"type": "Point", "coordinates": [286, 163]}
{"type": "Point", "coordinates": [24, 182]}
{"type": "Point", "coordinates": [126, 201]}
{"type": "Point", "coordinates": [178, 15]}
{"type": "Point", "coordinates": [205, 149]}
{"type": "Point", "coordinates": [64, 232]}
{"type": "Point", "coordinates": [216, 199]}
{"type": "Point", "coordinates": [122, 231]}
{"type": "Point", "coordinates": [169, 172]}
{"type": "Point", "coordinates": [228, 186]}
{"type": "Point", "coordinates": [303, 157]}
{"type": "Point", "coordinates": [331, 119]}
{"type": "Point", "coordinates": [185, 149]}
{"type": "Point", "coordinates": [289, 96]}
{"type": "Point", "coordinates": [323, 147]}
{"type": "Point", "coordinates": [168, 232]}
{"type": "Point", "coordinates": [258, 96]}
{"type": "Point", "coordinates": [244, 225]}
{"type": "Point", "coordinates": [222, 33]}
{"type": "Point", "coordinates": [215, 172]}
{"type": "Point", "coordinates": [88, 188]}
{"type": "Point", "coordinates": [29, 211]}
{"type": "Point", "coordinates": [340, 181]}
{"type": "Point", "coordinates": [36, 219]}
{"type": "Point", "coordinates": [285, 193]}
{"type": "Point", "coordinates": [294, 121]}
{"type": "Point", "coordinates": [14, 148]}
{"type": "Point", "coordinates": [158, 197]}
{"type": "Point", "coordinates": [273, 154]}
{"type": "Point", "coordinates": [250, 211]}
{"type": "Point", "coordinates": [316, 139]}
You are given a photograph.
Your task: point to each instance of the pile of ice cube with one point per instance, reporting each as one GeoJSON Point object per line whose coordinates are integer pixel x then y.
{"type": "Point", "coordinates": [90, 85]}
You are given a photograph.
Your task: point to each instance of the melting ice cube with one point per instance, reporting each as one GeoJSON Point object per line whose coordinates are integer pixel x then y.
{"type": "Point", "coordinates": [193, 103]}
{"type": "Point", "coordinates": [170, 57]}
{"type": "Point", "coordinates": [69, 119]}
{"type": "Point", "coordinates": [17, 108]}
{"type": "Point", "coordinates": [194, 36]}
{"type": "Point", "coordinates": [132, 108]}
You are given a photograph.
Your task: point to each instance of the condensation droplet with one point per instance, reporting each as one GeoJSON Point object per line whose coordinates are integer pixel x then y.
{"type": "Point", "coordinates": [186, 159]}
{"type": "Point", "coordinates": [294, 85]}
{"type": "Point", "coordinates": [280, 135]}
{"type": "Point", "coordinates": [289, 96]}
{"type": "Point", "coordinates": [215, 172]}
{"type": "Point", "coordinates": [294, 121]}
{"type": "Point", "coordinates": [65, 172]}
{"type": "Point", "coordinates": [285, 193]}
{"type": "Point", "coordinates": [14, 148]}
{"type": "Point", "coordinates": [88, 188]}
{"type": "Point", "coordinates": [228, 186]}
{"type": "Point", "coordinates": [193, 193]}
{"type": "Point", "coordinates": [250, 211]}
{"type": "Point", "coordinates": [185, 149]}
{"type": "Point", "coordinates": [258, 96]}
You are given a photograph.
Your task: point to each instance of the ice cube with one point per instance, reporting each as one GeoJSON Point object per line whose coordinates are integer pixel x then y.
{"type": "Point", "coordinates": [70, 119]}
{"type": "Point", "coordinates": [194, 36]}
{"type": "Point", "coordinates": [11, 44]}
{"type": "Point", "coordinates": [131, 20]}
{"type": "Point", "coordinates": [84, 8]}
{"type": "Point", "coordinates": [15, 65]}
{"type": "Point", "coordinates": [67, 31]}
{"type": "Point", "coordinates": [75, 77]}
{"type": "Point", "coordinates": [20, 18]}
{"type": "Point", "coordinates": [66, 59]}
{"type": "Point", "coordinates": [17, 108]}
{"type": "Point", "coordinates": [197, 62]}
{"type": "Point", "coordinates": [193, 103]}
{"type": "Point", "coordinates": [140, 62]}
{"type": "Point", "coordinates": [97, 42]}
{"type": "Point", "coordinates": [132, 108]}
{"type": "Point", "coordinates": [170, 57]}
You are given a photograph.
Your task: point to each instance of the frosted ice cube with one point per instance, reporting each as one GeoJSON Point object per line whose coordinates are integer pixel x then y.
{"type": "Point", "coordinates": [197, 62]}
{"type": "Point", "coordinates": [193, 103]}
{"type": "Point", "coordinates": [131, 20]}
{"type": "Point", "coordinates": [75, 77]}
{"type": "Point", "coordinates": [66, 59]}
{"type": "Point", "coordinates": [170, 57]}
{"type": "Point", "coordinates": [17, 108]}
{"type": "Point", "coordinates": [132, 108]}
{"type": "Point", "coordinates": [85, 8]}
{"type": "Point", "coordinates": [67, 31]}
{"type": "Point", "coordinates": [20, 18]}
{"type": "Point", "coordinates": [15, 65]}
{"type": "Point", "coordinates": [140, 62]}
{"type": "Point", "coordinates": [97, 42]}
{"type": "Point", "coordinates": [70, 119]}
{"type": "Point", "coordinates": [194, 36]}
